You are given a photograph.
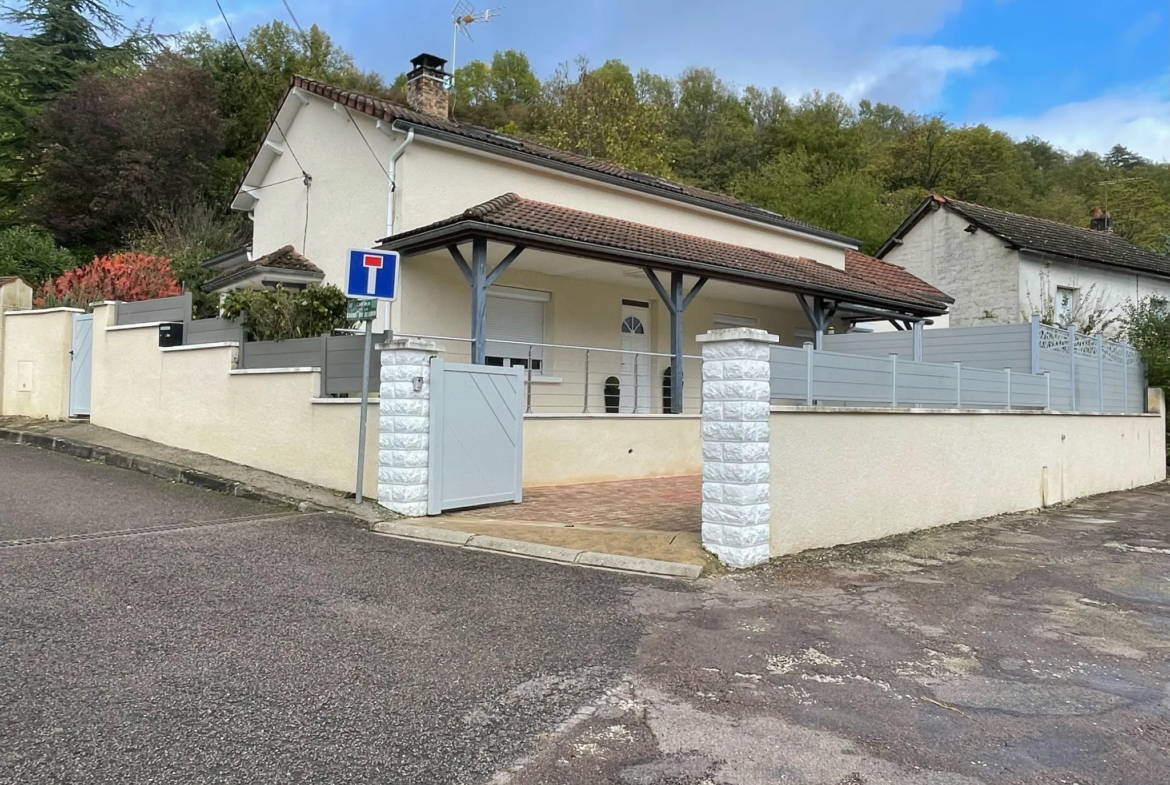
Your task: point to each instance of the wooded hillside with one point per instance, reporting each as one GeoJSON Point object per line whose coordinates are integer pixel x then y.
{"type": "Point", "coordinates": [121, 138]}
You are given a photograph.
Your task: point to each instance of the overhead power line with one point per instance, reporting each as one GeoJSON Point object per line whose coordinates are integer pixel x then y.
{"type": "Point", "coordinates": [248, 67]}
{"type": "Point", "coordinates": [348, 114]}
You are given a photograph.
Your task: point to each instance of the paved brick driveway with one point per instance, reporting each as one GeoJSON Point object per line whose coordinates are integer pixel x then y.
{"type": "Point", "coordinates": [669, 504]}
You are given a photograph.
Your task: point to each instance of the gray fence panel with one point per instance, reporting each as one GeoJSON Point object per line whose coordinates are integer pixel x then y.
{"type": "Point", "coordinates": [846, 377]}
{"type": "Point", "coordinates": [163, 309]}
{"type": "Point", "coordinates": [212, 331]}
{"type": "Point", "coordinates": [995, 347]}
{"type": "Point", "coordinates": [294, 353]}
{"type": "Point", "coordinates": [789, 373]}
{"type": "Point", "coordinates": [925, 384]}
{"type": "Point", "coordinates": [871, 344]}
{"type": "Point", "coordinates": [1029, 391]}
{"type": "Point", "coordinates": [1137, 388]}
{"type": "Point", "coordinates": [1061, 391]}
{"type": "Point", "coordinates": [1088, 392]}
{"type": "Point", "coordinates": [343, 364]}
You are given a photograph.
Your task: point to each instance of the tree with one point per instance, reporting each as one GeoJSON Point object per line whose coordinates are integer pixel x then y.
{"type": "Point", "coordinates": [1146, 326]}
{"type": "Point", "coordinates": [797, 185]}
{"type": "Point", "coordinates": [1120, 157]}
{"type": "Point", "coordinates": [499, 95]}
{"type": "Point", "coordinates": [188, 235]}
{"type": "Point", "coordinates": [714, 130]}
{"type": "Point", "coordinates": [127, 277]}
{"type": "Point", "coordinates": [121, 147]}
{"type": "Point", "coordinates": [63, 41]}
{"type": "Point", "coordinates": [32, 255]}
{"type": "Point", "coordinates": [249, 87]}
{"type": "Point", "coordinates": [597, 113]}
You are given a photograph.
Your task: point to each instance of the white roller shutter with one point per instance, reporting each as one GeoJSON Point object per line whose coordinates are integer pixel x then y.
{"type": "Point", "coordinates": [515, 315]}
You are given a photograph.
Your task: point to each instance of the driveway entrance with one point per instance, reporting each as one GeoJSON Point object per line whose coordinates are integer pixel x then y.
{"type": "Point", "coordinates": [652, 519]}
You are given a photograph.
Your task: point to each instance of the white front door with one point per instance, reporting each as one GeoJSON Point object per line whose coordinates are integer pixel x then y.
{"type": "Point", "coordinates": [636, 371]}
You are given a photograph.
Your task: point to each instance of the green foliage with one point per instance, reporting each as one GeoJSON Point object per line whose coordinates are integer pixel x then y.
{"type": "Point", "coordinates": [282, 314]}
{"type": "Point", "coordinates": [1146, 326]}
{"type": "Point", "coordinates": [123, 146]}
{"type": "Point", "coordinates": [31, 254]}
{"type": "Point", "coordinates": [56, 43]}
{"type": "Point", "coordinates": [596, 112]}
{"type": "Point", "coordinates": [189, 235]}
{"type": "Point", "coordinates": [248, 94]}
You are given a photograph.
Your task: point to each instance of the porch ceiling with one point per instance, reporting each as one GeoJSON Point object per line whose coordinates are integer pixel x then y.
{"type": "Point", "coordinates": [538, 226]}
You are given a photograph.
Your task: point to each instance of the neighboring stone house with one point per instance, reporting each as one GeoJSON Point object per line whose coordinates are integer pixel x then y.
{"type": "Point", "coordinates": [1002, 267]}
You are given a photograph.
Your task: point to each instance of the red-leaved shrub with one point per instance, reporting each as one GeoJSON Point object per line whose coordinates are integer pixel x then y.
{"type": "Point", "coordinates": [126, 276]}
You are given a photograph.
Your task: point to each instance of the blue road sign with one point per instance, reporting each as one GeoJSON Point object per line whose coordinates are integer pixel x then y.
{"type": "Point", "coordinates": [373, 275]}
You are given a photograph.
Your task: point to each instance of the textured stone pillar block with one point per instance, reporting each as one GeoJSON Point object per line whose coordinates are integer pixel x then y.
{"type": "Point", "coordinates": [404, 424]}
{"type": "Point", "coordinates": [736, 444]}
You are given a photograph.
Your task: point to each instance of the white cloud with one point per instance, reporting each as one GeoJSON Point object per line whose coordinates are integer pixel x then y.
{"type": "Point", "coordinates": [1138, 118]}
{"type": "Point", "coordinates": [915, 75]}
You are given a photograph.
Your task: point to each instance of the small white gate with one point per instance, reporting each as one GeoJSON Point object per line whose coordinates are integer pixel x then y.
{"type": "Point", "coordinates": [81, 365]}
{"type": "Point", "coordinates": [476, 435]}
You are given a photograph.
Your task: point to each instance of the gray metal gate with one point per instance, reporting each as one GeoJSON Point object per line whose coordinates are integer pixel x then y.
{"type": "Point", "coordinates": [476, 437]}
{"type": "Point", "coordinates": [80, 364]}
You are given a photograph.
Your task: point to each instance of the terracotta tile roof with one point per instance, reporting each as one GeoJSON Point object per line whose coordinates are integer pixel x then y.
{"type": "Point", "coordinates": [1044, 236]}
{"type": "Point", "coordinates": [285, 258]}
{"type": "Point", "coordinates": [891, 275]}
{"type": "Point", "coordinates": [699, 254]}
{"type": "Point", "coordinates": [389, 111]}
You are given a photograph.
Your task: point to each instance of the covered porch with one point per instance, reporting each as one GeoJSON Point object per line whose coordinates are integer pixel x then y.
{"type": "Point", "coordinates": [600, 311]}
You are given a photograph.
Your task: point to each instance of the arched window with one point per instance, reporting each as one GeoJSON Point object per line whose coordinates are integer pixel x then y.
{"type": "Point", "coordinates": [632, 324]}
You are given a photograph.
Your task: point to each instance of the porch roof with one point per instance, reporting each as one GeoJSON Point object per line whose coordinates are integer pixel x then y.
{"type": "Point", "coordinates": [511, 218]}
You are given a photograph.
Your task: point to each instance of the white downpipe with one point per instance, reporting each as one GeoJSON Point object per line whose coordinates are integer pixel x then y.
{"type": "Point", "coordinates": [384, 308]}
{"type": "Point", "coordinates": [390, 187]}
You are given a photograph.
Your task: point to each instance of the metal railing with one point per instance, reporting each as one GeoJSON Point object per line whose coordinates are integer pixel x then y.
{"type": "Point", "coordinates": [567, 378]}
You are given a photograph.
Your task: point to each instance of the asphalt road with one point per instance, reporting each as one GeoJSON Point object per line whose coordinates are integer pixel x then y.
{"type": "Point", "coordinates": [266, 646]}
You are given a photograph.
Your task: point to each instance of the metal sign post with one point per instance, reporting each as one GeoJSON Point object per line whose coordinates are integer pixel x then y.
{"type": "Point", "coordinates": [373, 277]}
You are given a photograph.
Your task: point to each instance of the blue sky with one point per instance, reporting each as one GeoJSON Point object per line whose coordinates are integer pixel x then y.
{"type": "Point", "coordinates": [1082, 73]}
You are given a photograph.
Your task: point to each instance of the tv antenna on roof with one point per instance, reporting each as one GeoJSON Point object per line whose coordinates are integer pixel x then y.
{"type": "Point", "coordinates": [463, 16]}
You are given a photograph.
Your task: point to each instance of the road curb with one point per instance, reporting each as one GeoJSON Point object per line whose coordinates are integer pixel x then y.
{"type": "Point", "coordinates": [540, 551]}
{"type": "Point", "coordinates": [409, 531]}
{"type": "Point", "coordinates": [155, 468]}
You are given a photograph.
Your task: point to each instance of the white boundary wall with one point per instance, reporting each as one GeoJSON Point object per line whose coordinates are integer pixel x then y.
{"type": "Point", "coordinates": [841, 475]}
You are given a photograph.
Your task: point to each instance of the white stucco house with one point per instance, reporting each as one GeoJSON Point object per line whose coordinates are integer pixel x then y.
{"type": "Point", "coordinates": [1002, 267]}
{"type": "Point", "coordinates": [523, 254]}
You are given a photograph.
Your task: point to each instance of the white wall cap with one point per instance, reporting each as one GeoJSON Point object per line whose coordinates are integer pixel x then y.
{"type": "Point", "coordinates": [417, 344]}
{"type": "Point", "coordinates": [738, 334]}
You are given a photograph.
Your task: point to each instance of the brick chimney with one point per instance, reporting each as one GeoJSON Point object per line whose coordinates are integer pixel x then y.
{"type": "Point", "coordinates": [1101, 221]}
{"type": "Point", "coordinates": [426, 89]}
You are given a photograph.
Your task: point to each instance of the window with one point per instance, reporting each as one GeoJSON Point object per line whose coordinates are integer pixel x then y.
{"type": "Point", "coordinates": [723, 321]}
{"type": "Point", "coordinates": [516, 316]}
{"type": "Point", "coordinates": [1066, 304]}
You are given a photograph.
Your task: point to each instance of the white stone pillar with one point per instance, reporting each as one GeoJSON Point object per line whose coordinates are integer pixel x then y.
{"type": "Point", "coordinates": [404, 422]}
{"type": "Point", "coordinates": [736, 444]}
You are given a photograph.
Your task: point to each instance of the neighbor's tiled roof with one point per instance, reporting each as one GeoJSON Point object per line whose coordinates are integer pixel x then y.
{"type": "Point", "coordinates": [891, 275]}
{"type": "Point", "coordinates": [1038, 234]}
{"type": "Point", "coordinates": [552, 221]}
{"type": "Point", "coordinates": [285, 258]}
{"type": "Point", "coordinates": [391, 112]}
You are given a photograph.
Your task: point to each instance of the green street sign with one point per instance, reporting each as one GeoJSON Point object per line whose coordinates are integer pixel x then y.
{"type": "Point", "coordinates": [361, 310]}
